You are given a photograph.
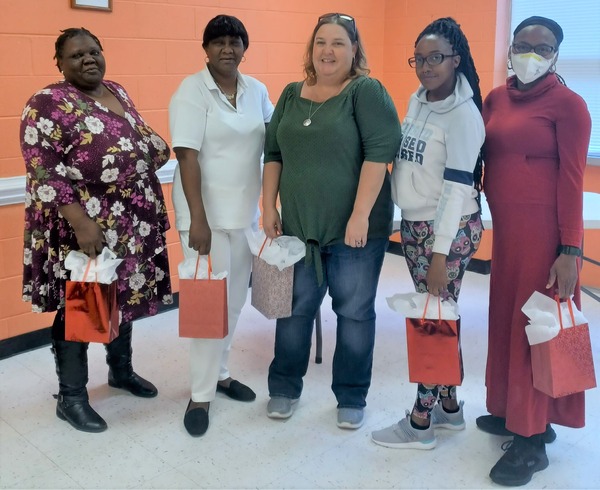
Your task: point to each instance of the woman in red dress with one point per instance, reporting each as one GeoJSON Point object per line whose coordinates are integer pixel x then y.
{"type": "Point", "coordinates": [537, 136]}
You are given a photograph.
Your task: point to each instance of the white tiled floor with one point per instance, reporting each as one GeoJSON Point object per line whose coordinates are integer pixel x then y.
{"type": "Point", "coordinates": [147, 446]}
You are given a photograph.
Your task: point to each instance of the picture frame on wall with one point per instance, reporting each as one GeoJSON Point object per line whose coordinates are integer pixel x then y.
{"type": "Point", "coordinates": [92, 4]}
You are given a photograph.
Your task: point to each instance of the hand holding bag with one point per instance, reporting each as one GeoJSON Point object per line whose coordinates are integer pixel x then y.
{"type": "Point", "coordinates": [272, 288]}
{"type": "Point", "coordinates": [203, 306]}
{"type": "Point", "coordinates": [434, 353]}
{"type": "Point", "coordinates": [564, 365]}
{"type": "Point", "coordinates": [91, 311]}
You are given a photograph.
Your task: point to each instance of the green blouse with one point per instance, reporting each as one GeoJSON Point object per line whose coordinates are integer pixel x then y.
{"type": "Point", "coordinates": [321, 163]}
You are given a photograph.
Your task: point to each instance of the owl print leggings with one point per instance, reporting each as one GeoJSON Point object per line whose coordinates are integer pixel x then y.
{"type": "Point", "coordinates": [417, 243]}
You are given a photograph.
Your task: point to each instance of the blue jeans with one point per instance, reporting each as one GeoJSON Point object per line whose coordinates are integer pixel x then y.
{"type": "Point", "coordinates": [351, 275]}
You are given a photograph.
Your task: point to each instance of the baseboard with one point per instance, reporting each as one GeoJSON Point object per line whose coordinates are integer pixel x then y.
{"type": "Point", "coordinates": [42, 337]}
{"type": "Point", "coordinates": [24, 342]}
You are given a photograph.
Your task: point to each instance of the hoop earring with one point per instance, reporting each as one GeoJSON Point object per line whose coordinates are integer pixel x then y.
{"type": "Point", "coordinates": [509, 64]}
{"type": "Point", "coordinates": [552, 68]}
{"type": "Point", "coordinates": [243, 59]}
{"type": "Point", "coordinates": [206, 60]}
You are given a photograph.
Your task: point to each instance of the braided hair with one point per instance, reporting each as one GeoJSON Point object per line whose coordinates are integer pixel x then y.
{"type": "Point", "coordinates": [450, 30]}
{"type": "Point", "coordinates": [70, 33]}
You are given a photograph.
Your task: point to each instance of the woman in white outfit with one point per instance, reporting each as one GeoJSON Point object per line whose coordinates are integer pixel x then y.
{"type": "Point", "coordinates": [217, 120]}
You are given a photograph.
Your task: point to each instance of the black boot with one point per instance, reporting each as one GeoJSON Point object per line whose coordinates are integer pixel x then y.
{"type": "Point", "coordinates": [120, 373]}
{"type": "Point", "coordinates": [523, 457]}
{"type": "Point", "coordinates": [72, 369]}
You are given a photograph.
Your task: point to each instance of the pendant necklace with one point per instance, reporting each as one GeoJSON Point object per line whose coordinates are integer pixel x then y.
{"type": "Point", "coordinates": [229, 97]}
{"type": "Point", "coordinates": [308, 120]}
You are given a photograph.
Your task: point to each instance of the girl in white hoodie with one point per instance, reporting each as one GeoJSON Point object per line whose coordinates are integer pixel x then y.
{"type": "Point", "coordinates": [436, 181]}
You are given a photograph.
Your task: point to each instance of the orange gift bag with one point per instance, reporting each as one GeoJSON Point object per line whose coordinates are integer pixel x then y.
{"type": "Point", "coordinates": [564, 365]}
{"type": "Point", "coordinates": [203, 306]}
{"type": "Point", "coordinates": [434, 353]}
{"type": "Point", "coordinates": [91, 311]}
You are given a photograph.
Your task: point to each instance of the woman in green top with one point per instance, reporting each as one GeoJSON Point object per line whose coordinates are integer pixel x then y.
{"type": "Point", "coordinates": [327, 149]}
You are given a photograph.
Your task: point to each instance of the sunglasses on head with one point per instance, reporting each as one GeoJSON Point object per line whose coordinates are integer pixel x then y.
{"type": "Point", "coordinates": [344, 17]}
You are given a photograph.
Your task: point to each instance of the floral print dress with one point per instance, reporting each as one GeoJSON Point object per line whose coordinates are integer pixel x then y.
{"type": "Point", "coordinates": [78, 151]}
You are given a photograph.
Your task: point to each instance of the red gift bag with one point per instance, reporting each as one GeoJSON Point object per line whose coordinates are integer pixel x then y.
{"type": "Point", "coordinates": [91, 311]}
{"type": "Point", "coordinates": [434, 353]}
{"type": "Point", "coordinates": [272, 289]}
{"type": "Point", "coordinates": [203, 306]}
{"type": "Point", "coordinates": [564, 365]}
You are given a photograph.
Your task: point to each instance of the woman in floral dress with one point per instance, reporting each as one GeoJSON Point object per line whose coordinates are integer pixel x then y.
{"type": "Point", "coordinates": [91, 164]}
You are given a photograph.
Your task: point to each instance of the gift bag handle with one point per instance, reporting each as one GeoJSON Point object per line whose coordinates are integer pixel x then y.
{"type": "Point", "coordinates": [87, 269]}
{"type": "Point", "coordinates": [209, 268]}
{"type": "Point", "coordinates": [263, 245]}
{"type": "Point", "coordinates": [427, 304]}
{"type": "Point", "coordinates": [570, 306]}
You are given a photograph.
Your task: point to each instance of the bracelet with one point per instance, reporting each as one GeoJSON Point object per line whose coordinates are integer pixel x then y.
{"type": "Point", "coordinates": [568, 250]}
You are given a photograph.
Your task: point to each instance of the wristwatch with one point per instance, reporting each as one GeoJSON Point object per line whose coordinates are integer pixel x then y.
{"type": "Point", "coordinates": [569, 250]}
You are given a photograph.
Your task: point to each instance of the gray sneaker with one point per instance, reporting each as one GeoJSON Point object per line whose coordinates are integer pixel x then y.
{"type": "Point", "coordinates": [281, 407]}
{"type": "Point", "coordinates": [440, 419]}
{"type": "Point", "coordinates": [350, 418]}
{"type": "Point", "coordinates": [403, 435]}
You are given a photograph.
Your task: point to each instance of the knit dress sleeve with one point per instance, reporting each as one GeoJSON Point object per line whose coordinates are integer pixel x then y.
{"type": "Point", "coordinates": [573, 128]}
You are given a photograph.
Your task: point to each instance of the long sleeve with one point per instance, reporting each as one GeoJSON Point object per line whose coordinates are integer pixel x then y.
{"type": "Point", "coordinates": [573, 127]}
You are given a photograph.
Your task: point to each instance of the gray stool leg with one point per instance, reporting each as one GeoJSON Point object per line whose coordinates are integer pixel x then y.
{"type": "Point", "coordinates": [319, 338]}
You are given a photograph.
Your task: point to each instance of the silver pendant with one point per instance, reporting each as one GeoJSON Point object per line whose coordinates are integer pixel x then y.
{"type": "Point", "coordinates": [307, 122]}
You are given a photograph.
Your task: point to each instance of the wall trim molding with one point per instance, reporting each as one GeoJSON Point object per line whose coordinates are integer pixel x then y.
{"type": "Point", "coordinates": [165, 173]}
{"type": "Point", "coordinates": [12, 189]}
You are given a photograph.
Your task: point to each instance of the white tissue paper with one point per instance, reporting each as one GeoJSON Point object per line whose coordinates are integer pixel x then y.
{"type": "Point", "coordinates": [412, 305]}
{"type": "Point", "coordinates": [187, 268]}
{"type": "Point", "coordinates": [544, 323]}
{"type": "Point", "coordinates": [103, 269]}
{"type": "Point", "coordinates": [281, 252]}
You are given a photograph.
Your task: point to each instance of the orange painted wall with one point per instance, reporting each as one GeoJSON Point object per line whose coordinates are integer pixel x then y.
{"type": "Point", "coordinates": [150, 45]}
{"type": "Point", "coordinates": [485, 23]}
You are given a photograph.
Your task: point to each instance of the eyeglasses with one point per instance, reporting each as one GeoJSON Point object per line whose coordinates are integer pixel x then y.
{"type": "Point", "coordinates": [335, 15]}
{"type": "Point", "coordinates": [432, 59]}
{"type": "Point", "coordinates": [539, 49]}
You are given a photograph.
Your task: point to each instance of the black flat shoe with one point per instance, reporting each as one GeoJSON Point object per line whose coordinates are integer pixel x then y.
{"type": "Point", "coordinates": [497, 426]}
{"type": "Point", "coordinates": [195, 420]}
{"type": "Point", "coordinates": [237, 391]}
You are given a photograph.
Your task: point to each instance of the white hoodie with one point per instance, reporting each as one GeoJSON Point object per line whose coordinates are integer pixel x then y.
{"type": "Point", "coordinates": [432, 177]}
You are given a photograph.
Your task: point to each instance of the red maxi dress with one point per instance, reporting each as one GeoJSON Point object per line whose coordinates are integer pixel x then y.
{"type": "Point", "coordinates": [535, 155]}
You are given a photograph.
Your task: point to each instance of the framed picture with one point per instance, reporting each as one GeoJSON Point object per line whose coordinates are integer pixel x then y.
{"type": "Point", "coordinates": [92, 4]}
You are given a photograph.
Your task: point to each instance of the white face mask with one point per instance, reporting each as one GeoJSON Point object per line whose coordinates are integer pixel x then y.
{"type": "Point", "coordinates": [530, 66]}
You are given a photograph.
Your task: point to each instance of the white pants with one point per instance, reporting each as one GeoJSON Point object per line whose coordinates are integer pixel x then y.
{"type": "Point", "coordinates": [208, 357]}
